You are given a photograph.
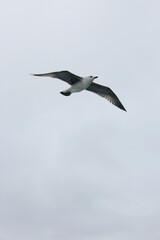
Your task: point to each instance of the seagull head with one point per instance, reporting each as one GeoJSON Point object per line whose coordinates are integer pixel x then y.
{"type": "Point", "coordinates": [92, 77]}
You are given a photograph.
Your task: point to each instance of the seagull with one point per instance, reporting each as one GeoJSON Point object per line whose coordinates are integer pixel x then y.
{"type": "Point", "coordinates": [79, 84]}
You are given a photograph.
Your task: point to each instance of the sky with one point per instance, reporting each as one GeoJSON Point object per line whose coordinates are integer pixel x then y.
{"type": "Point", "coordinates": [78, 167]}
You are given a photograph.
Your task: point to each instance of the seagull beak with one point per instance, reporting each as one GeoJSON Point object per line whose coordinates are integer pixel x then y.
{"type": "Point", "coordinates": [95, 77]}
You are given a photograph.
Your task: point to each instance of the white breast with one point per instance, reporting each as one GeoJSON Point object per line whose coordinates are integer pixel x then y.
{"type": "Point", "coordinates": [80, 86]}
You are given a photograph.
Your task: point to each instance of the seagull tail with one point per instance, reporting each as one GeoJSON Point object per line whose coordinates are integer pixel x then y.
{"type": "Point", "coordinates": [66, 93]}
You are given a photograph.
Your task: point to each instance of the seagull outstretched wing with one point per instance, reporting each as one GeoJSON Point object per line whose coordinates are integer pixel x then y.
{"type": "Point", "coordinates": [106, 93]}
{"type": "Point", "coordinates": [65, 76]}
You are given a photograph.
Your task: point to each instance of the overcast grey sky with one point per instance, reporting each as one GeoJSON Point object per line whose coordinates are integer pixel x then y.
{"type": "Point", "coordinates": [77, 167]}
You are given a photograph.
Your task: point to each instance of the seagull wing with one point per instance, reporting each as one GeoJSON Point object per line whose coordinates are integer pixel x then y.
{"type": "Point", "coordinates": [106, 93]}
{"type": "Point", "coordinates": [65, 76]}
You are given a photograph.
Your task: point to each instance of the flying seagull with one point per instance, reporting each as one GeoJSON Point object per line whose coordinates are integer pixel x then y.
{"type": "Point", "coordinates": [79, 84]}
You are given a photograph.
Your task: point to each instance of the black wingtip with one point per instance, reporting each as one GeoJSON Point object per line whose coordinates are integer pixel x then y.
{"type": "Point", "coordinates": [37, 75]}
{"type": "Point", "coordinates": [122, 108]}
{"type": "Point", "coordinates": [119, 105]}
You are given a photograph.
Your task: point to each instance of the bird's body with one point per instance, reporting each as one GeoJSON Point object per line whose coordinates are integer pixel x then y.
{"type": "Point", "coordinates": [79, 84]}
